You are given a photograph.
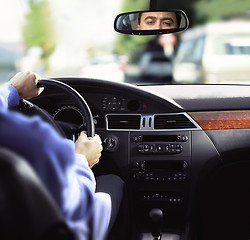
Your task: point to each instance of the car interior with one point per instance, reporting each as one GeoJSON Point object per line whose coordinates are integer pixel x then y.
{"type": "Point", "coordinates": [182, 150]}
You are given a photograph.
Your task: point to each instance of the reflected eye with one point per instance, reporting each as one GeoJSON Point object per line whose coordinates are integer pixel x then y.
{"type": "Point", "coordinates": [150, 22]}
{"type": "Point", "coordinates": [167, 23]}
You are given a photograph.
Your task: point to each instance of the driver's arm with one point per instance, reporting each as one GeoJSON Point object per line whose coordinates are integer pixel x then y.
{"type": "Point", "coordinates": [21, 86]}
{"type": "Point", "coordinates": [66, 174]}
{"type": "Point", "coordinates": [26, 84]}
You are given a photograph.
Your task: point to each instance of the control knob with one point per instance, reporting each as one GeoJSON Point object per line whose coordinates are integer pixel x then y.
{"type": "Point", "coordinates": [110, 143]}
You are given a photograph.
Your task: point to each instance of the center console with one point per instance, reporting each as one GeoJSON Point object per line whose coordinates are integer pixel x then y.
{"type": "Point", "coordinates": [160, 164]}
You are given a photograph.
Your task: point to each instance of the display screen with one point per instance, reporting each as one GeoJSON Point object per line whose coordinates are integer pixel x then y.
{"type": "Point", "coordinates": [165, 165]}
{"type": "Point", "coordinates": [159, 138]}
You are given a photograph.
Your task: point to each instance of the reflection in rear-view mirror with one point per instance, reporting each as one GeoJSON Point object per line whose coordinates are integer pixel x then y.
{"type": "Point", "coordinates": [158, 20]}
{"type": "Point", "coordinates": [151, 22]}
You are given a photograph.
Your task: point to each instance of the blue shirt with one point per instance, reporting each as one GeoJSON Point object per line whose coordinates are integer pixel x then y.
{"type": "Point", "coordinates": [66, 175]}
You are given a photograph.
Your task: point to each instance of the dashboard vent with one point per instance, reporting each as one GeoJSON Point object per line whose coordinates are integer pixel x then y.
{"type": "Point", "coordinates": [172, 121]}
{"type": "Point", "coordinates": [123, 121]}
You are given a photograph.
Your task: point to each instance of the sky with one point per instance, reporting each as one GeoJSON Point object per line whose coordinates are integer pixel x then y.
{"type": "Point", "coordinates": [11, 16]}
{"type": "Point", "coordinates": [90, 26]}
{"type": "Point", "coordinates": [89, 16]}
{"type": "Point", "coordinates": [80, 24]}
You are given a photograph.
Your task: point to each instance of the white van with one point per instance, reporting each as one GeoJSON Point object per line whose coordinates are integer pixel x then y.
{"type": "Point", "coordinates": [214, 53]}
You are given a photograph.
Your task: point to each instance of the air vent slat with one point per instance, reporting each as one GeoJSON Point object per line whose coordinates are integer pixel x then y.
{"type": "Point", "coordinates": [174, 121]}
{"type": "Point", "coordinates": [124, 121]}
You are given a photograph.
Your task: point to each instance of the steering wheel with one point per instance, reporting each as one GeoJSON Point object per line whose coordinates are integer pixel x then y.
{"type": "Point", "coordinates": [32, 108]}
{"type": "Point", "coordinates": [79, 100]}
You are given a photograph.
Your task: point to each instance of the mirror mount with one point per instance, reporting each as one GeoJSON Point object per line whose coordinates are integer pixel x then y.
{"type": "Point", "coordinates": [153, 5]}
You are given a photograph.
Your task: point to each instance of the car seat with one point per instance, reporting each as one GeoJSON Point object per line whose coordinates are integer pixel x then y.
{"type": "Point", "coordinates": [27, 211]}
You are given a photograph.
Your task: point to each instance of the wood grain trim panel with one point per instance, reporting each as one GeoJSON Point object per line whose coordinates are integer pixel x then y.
{"type": "Point", "coordinates": [212, 120]}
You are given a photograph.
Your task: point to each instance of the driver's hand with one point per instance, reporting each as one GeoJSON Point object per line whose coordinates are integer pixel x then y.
{"type": "Point", "coordinates": [90, 147]}
{"type": "Point", "coordinates": [26, 84]}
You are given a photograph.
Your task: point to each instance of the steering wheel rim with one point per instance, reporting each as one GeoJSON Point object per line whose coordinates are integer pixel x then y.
{"type": "Point", "coordinates": [90, 128]}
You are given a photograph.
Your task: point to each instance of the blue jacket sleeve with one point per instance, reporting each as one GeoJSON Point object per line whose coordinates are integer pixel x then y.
{"type": "Point", "coordinates": [67, 176]}
{"type": "Point", "coordinates": [8, 96]}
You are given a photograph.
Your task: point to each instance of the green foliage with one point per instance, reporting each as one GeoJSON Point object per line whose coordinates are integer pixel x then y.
{"type": "Point", "coordinates": [215, 10]}
{"type": "Point", "coordinates": [126, 44]}
{"type": "Point", "coordinates": [38, 27]}
{"type": "Point", "coordinates": [135, 5]}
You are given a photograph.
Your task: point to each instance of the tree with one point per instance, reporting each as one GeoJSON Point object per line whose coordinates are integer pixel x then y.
{"type": "Point", "coordinates": [211, 10]}
{"type": "Point", "coordinates": [38, 28]}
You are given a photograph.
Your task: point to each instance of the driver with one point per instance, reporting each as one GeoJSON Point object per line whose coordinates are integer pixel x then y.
{"type": "Point", "coordinates": [63, 167]}
{"type": "Point", "coordinates": [157, 20]}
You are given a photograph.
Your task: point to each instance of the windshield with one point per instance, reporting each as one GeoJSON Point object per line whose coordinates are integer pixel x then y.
{"type": "Point", "coordinates": [58, 38]}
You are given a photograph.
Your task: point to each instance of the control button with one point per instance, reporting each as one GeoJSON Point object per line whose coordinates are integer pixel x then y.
{"type": "Point", "coordinates": [146, 148]}
{"type": "Point", "coordinates": [110, 143]}
{"type": "Point", "coordinates": [179, 138]}
{"type": "Point", "coordinates": [142, 165]}
{"type": "Point", "coordinates": [140, 148]}
{"type": "Point", "coordinates": [167, 148]}
{"type": "Point", "coordinates": [172, 148]}
{"type": "Point", "coordinates": [184, 165]}
{"type": "Point", "coordinates": [178, 148]}
{"type": "Point", "coordinates": [184, 138]}
{"type": "Point", "coordinates": [152, 148]}
{"type": "Point", "coordinates": [114, 103]}
{"type": "Point", "coordinates": [159, 148]}
{"type": "Point", "coordinates": [136, 164]}
{"type": "Point", "coordinates": [137, 138]}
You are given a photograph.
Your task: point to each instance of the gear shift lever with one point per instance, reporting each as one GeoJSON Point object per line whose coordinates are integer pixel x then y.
{"type": "Point", "coordinates": [156, 216]}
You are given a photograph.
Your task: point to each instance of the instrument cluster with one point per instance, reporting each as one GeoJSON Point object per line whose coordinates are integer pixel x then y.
{"type": "Point", "coordinates": [73, 114]}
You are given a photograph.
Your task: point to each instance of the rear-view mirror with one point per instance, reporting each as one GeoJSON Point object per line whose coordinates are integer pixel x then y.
{"type": "Point", "coordinates": [151, 22]}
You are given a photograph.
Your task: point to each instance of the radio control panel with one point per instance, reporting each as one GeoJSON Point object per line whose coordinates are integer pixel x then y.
{"type": "Point", "coordinates": [160, 157]}
{"type": "Point", "coordinates": [165, 138]}
{"type": "Point", "coordinates": [160, 144]}
{"type": "Point", "coordinates": [160, 171]}
{"type": "Point", "coordinates": [153, 176]}
{"type": "Point", "coordinates": [162, 148]}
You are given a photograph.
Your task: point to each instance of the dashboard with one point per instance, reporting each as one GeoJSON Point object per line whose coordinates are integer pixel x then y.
{"type": "Point", "coordinates": [163, 141]}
